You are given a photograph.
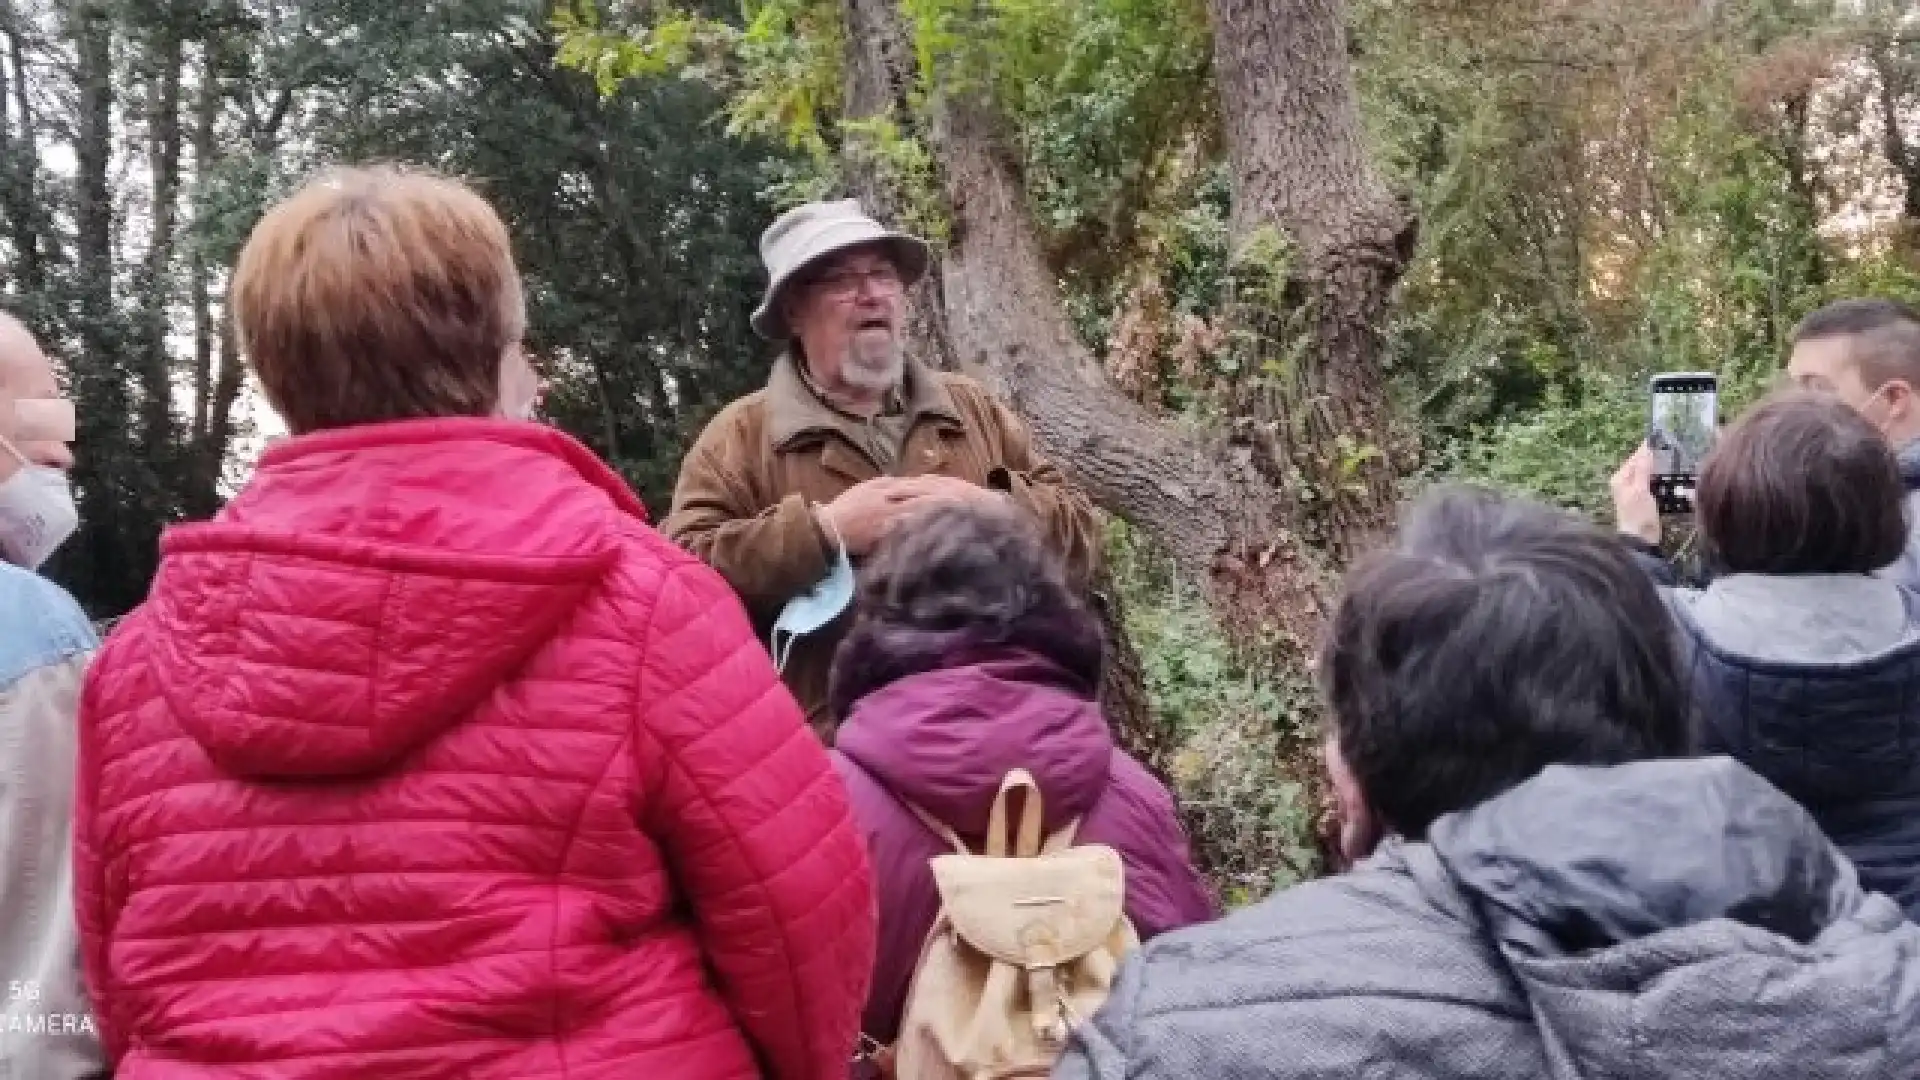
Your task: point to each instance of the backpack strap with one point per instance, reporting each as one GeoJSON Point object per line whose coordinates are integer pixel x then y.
{"type": "Point", "coordinates": [939, 827]}
{"type": "Point", "coordinates": [1027, 845]}
{"type": "Point", "coordinates": [1062, 839]}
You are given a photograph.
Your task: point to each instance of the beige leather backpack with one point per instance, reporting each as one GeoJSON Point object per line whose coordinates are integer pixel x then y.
{"type": "Point", "coordinates": [1025, 948]}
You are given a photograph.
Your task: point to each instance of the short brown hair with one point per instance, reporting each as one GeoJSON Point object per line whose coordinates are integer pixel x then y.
{"type": "Point", "coordinates": [1885, 337]}
{"type": "Point", "coordinates": [378, 294]}
{"type": "Point", "coordinates": [1802, 484]}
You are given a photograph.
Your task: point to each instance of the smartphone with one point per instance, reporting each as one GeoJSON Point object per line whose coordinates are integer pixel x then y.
{"type": "Point", "coordinates": [1683, 420]}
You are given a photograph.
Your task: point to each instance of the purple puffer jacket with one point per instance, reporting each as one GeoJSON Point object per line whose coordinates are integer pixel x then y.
{"type": "Point", "coordinates": [943, 738]}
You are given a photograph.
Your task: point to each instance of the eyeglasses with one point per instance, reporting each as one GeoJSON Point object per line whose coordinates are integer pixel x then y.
{"type": "Point", "coordinates": [843, 284]}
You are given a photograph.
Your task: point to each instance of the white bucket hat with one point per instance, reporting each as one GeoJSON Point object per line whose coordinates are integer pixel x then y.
{"type": "Point", "coordinates": [806, 234]}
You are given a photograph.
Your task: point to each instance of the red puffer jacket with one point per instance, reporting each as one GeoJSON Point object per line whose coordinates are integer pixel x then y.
{"type": "Point", "coordinates": [428, 759]}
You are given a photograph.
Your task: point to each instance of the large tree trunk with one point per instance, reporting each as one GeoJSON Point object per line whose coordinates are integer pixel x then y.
{"type": "Point", "coordinates": [1197, 496]}
{"type": "Point", "coordinates": [1303, 183]}
{"type": "Point", "coordinates": [995, 307]}
{"type": "Point", "coordinates": [1254, 513]}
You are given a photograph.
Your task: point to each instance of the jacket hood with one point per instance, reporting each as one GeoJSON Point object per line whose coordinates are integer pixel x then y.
{"type": "Point", "coordinates": [372, 585]}
{"type": "Point", "coordinates": [943, 739]}
{"type": "Point", "coordinates": [1908, 459]}
{"type": "Point", "coordinates": [1811, 620]}
{"type": "Point", "coordinates": [1814, 682]}
{"type": "Point", "coordinates": [1686, 919]}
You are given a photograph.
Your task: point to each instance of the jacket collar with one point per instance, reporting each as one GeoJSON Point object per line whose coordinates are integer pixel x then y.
{"type": "Point", "coordinates": [1909, 459]}
{"type": "Point", "coordinates": [795, 410]}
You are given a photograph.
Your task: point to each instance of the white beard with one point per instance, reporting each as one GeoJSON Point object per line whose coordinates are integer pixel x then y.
{"type": "Point", "coordinates": [872, 364]}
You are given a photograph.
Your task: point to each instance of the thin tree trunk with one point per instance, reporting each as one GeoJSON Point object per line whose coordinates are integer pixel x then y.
{"type": "Point", "coordinates": [163, 163]}
{"type": "Point", "coordinates": [115, 567]}
{"type": "Point", "coordinates": [226, 392]}
{"type": "Point", "coordinates": [1902, 155]}
{"type": "Point", "coordinates": [10, 168]}
{"type": "Point", "coordinates": [200, 490]}
{"type": "Point", "coordinates": [20, 159]}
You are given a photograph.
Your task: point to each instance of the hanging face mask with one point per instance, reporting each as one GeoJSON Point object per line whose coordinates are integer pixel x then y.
{"type": "Point", "coordinates": [811, 610]}
{"type": "Point", "coordinates": [37, 514]}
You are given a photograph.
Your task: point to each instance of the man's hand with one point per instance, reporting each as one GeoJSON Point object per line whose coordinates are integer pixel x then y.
{"type": "Point", "coordinates": [930, 490]}
{"type": "Point", "coordinates": [1634, 510]}
{"type": "Point", "coordinates": [864, 512]}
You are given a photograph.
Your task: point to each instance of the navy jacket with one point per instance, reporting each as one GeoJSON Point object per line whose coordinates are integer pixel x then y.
{"type": "Point", "coordinates": [1814, 683]}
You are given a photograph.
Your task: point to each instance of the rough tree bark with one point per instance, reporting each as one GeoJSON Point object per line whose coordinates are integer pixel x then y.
{"type": "Point", "coordinates": [1300, 171]}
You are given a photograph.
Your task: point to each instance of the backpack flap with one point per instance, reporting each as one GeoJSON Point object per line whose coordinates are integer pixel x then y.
{"type": "Point", "coordinates": [1037, 912]}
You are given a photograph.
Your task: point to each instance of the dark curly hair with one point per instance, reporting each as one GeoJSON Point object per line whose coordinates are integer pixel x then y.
{"type": "Point", "coordinates": [954, 582]}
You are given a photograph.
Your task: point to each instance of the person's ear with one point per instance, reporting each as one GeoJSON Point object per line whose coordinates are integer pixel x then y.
{"type": "Point", "coordinates": [1360, 831]}
{"type": "Point", "coordinates": [1901, 404]}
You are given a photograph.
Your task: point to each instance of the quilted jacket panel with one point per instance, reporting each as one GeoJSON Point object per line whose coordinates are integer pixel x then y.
{"type": "Point", "coordinates": [428, 758]}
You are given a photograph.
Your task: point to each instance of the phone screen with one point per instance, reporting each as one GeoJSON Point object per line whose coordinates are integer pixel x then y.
{"type": "Point", "coordinates": [1685, 414]}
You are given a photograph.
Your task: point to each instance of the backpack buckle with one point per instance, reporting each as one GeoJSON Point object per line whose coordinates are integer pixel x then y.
{"type": "Point", "coordinates": [872, 1060]}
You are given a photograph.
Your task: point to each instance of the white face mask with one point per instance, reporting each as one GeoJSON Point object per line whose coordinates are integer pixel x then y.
{"type": "Point", "coordinates": [807, 613]}
{"type": "Point", "coordinates": [37, 514]}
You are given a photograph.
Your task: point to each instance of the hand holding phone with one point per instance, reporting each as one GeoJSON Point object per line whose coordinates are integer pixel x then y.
{"type": "Point", "coordinates": [1634, 510]}
{"type": "Point", "coordinates": [1683, 421]}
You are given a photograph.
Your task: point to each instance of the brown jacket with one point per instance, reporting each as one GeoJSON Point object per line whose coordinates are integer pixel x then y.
{"type": "Point", "coordinates": [746, 491]}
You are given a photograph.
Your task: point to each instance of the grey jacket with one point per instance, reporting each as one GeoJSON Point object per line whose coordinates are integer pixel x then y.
{"type": "Point", "coordinates": [1676, 920]}
{"type": "Point", "coordinates": [46, 1031]}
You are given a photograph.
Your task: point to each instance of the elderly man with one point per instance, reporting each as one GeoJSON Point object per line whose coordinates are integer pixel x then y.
{"type": "Point", "coordinates": [45, 643]}
{"type": "Point", "coordinates": [790, 486]}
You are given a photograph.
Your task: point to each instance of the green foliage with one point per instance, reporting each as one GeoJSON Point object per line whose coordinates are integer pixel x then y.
{"type": "Point", "coordinates": [1562, 451]}
{"type": "Point", "coordinates": [634, 215]}
{"type": "Point", "coordinates": [667, 45]}
{"type": "Point", "coordinates": [791, 60]}
{"type": "Point", "coordinates": [1233, 727]}
{"type": "Point", "coordinates": [1101, 92]}
{"type": "Point", "coordinates": [907, 169]}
